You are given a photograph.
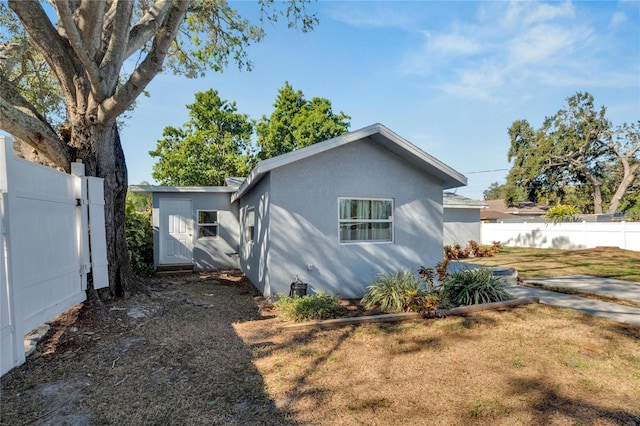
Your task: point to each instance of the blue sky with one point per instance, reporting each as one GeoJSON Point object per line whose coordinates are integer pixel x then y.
{"type": "Point", "coordinates": [449, 77]}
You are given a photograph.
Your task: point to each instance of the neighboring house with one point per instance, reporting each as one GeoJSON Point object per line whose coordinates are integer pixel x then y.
{"type": "Point", "coordinates": [499, 211]}
{"type": "Point", "coordinates": [461, 219]}
{"type": "Point", "coordinates": [333, 215]}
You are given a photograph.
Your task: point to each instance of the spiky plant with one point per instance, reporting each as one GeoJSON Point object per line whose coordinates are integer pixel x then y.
{"type": "Point", "coordinates": [474, 286]}
{"type": "Point", "coordinates": [392, 292]}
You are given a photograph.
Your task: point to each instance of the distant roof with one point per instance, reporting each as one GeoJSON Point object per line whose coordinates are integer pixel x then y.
{"type": "Point", "coordinates": [375, 133]}
{"type": "Point", "coordinates": [451, 200]}
{"type": "Point", "coordinates": [234, 181]}
{"type": "Point", "coordinates": [156, 188]}
{"type": "Point", "coordinates": [498, 209]}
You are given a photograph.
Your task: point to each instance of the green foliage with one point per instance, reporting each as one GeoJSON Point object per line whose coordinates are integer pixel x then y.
{"type": "Point", "coordinates": [495, 192]}
{"type": "Point", "coordinates": [297, 122]}
{"type": "Point", "coordinates": [315, 307]}
{"type": "Point", "coordinates": [561, 213]}
{"type": "Point", "coordinates": [473, 286]}
{"type": "Point", "coordinates": [139, 236]}
{"type": "Point", "coordinates": [214, 144]}
{"type": "Point", "coordinates": [577, 157]}
{"type": "Point", "coordinates": [393, 292]}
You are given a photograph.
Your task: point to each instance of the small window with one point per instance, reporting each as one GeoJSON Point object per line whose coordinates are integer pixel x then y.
{"type": "Point", "coordinates": [365, 220]}
{"type": "Point", "coordinates": [207, 223]}
{"type": "Point", "coordinates": [250, 224]}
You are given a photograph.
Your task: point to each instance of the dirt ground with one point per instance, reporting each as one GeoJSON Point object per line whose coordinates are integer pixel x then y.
{"type": "Point", "coordinates": [205, 349]}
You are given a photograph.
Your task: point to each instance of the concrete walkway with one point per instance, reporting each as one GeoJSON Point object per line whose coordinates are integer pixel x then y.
{"type": "Point", "coordinates": [618, 289]}
{"type": "Point", "coordinates": [594, 307]}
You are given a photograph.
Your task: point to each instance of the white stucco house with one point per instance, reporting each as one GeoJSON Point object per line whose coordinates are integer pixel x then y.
{"type": "Point", "coordinates": [334, 215]}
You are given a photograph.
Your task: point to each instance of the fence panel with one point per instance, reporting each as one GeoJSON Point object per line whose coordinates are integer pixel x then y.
{"type": "Point", "coordinates": [44, 246]}
{"type": "Point", "coordinates": [625, 235]}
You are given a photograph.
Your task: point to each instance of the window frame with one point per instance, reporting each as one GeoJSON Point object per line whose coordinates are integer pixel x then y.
{"type": "Point", "coordinates": [391, 221]}
{"type": "Point", "coordinates": [199, 224]}
{"type": "Point", "coordinates": [249, 231]}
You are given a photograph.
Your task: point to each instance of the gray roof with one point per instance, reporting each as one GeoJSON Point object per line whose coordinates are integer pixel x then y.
{"type": "Point", "coordinates": [455, 201]}
{"type": "Point", "coordinates": [376, 133]}
{"type": "Point", "coordinates": [157, 188]}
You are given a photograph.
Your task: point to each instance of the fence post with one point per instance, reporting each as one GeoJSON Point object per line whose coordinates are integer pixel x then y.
{"type": "Point", "coordinates": [11, 327]}
{"type": "Point", "coordinates": [82, 222]}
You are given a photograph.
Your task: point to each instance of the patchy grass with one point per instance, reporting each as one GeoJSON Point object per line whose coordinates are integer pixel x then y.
{"type": "Point", "coordinates": [204, 350]}
{"type": "Point", "coordinates": [608, 262]}
{"type": "Point", "coordinates": [531, 365]}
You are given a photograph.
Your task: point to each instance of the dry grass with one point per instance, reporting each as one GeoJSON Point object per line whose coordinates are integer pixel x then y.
{"type": "Point", "coordinates": [608, 262]}
{"type": "Point", "coordinates": [531, 365]}
{"type": "Point", "coordinates": [204, 354]}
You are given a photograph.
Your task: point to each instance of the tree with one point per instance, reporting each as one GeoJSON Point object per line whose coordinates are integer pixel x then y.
{"type": "Point", "coordinates": [214, 144]}
{"type": "Point", "coordinates": [86, 50]}
{"type": "Point", "coordinates": [297, 122]}
{"type": "Point", "coordinates": [494, 192]}
{"type": "Point", "coordinates": [575, 149]}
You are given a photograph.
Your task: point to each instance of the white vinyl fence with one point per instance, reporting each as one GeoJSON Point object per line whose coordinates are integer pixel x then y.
{"type": "Point", "coordinates": [45, 220]}
{"type": "Point", "coordinates": [625, 235]}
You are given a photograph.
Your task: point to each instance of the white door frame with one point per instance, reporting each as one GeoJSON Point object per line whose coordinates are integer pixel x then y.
{"type": "Point", "coordinates": [176, 231]}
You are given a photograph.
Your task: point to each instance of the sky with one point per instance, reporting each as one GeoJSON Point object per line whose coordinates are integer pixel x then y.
{"type": "Point", "coordinates": [450, 77]}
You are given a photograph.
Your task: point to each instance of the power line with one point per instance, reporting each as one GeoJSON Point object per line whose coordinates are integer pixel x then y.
{"type": "Point", "coordinates": [486, 171]}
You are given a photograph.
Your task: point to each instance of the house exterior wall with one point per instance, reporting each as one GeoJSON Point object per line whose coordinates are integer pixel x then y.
{"type": "Point", "coordinates": [302, 226]}
{"type": "Point", "coordinates": [461, 225]}
{"type": "Point", "coordinates": [255, 255]}
{"type": "Point", "coordinates": [209, 253]}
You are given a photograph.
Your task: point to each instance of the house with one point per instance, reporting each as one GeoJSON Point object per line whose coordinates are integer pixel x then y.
{"type": "Point", "coordinates": [461, 219]}
{"type": "Point", "coordinates": [332, 215]}
{"type": "Point", "coordinates": [499, 211]}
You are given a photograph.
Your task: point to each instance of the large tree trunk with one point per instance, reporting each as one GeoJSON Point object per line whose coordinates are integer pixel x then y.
{"type": "Point", "coordinates": [99, 148]}
{"type": "Point", "coordinates": [629, 175]}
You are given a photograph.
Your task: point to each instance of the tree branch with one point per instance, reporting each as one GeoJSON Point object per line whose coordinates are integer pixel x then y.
{"type": "Point", "coordinates": [19, 118]}
{"type": "Point", "coordinates": [115, 55]}
{"type": "Point", "coordinates": [144, 29]}
{"type": "Point", "coordinates": [91, 14]}
{"type": "Point", "coordinates": [150, 66]}
{"type": "Point", "coordinates": [71, 31]}
{"type": "Point", "coordinates": [50, 44]}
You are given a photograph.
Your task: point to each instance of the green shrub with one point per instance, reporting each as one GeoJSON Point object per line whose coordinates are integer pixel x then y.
{"type": "Point", "coordinates": [473, 286]}
{"type": "Point", "coordinates": [561, 213]}
{"type": "Point", "coordinates": [393, 292]}
{"type": "Point", "coordinates": [139, 235]}
{"type": "Point", "coordinates": [316, 307]}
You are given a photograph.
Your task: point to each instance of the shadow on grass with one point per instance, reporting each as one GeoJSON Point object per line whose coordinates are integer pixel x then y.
{"type": "Point", "coordinates": [548, 405]}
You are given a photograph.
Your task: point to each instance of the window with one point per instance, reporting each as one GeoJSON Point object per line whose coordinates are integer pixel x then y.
{"type": "Point", "coordinates": [207, 223]}
{"type": "Point", "coordinates": [369, 220]}
{"type": "Point", "coordinates": [249, 224]}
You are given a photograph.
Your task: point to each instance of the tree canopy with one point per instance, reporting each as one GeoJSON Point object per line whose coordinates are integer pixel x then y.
{"type": "Point", "coordinates": [297, 122]}
{"type": "Point", "coordinates": [214, 144]}
{"type": "Point", "coordinates": [85, 45]}
{"type": "Point", "coordinates": [577, 157]}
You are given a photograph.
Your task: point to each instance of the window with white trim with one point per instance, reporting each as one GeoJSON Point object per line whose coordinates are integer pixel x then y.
{"type": "Point", "coordinates": [249, 224]}
{"type": "Point", "coordinates": [207, 223]}
{"type": "Point", "coordinates": [365, 220]}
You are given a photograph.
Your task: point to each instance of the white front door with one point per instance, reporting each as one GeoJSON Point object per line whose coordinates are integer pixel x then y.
{"type": "Point", "coordinates": [176, 232]}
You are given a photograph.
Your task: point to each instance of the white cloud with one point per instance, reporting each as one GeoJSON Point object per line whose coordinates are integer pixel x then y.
{"type": "Point", "coordinates": [376, 15]}
{"type": "Point", "coordinates": [544, 42]}
{"type": "Point", "coordinates": [617, 19]}
{"type": "Point", "coordinates": [454, 44]}
{"type": "Point", "coordinates": [523, 13]}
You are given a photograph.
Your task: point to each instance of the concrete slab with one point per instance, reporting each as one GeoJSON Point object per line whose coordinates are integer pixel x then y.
{"type": "Point", "coordinates": [593, 307]}
{"type": "Point", "coordinates": [625, 290]}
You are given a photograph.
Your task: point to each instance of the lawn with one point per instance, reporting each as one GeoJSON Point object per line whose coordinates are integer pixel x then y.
{"type": "Point", "coordinates": [609, 262]}
{"type": "Point", "coordinates": [530, 365]}
{"type": "Point", "coordinates": [205, 350]}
